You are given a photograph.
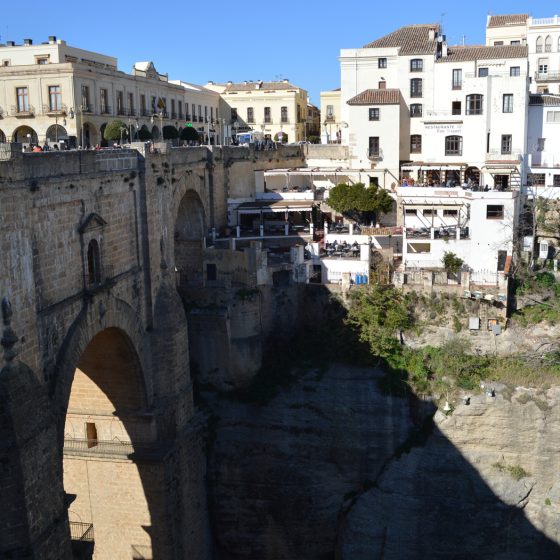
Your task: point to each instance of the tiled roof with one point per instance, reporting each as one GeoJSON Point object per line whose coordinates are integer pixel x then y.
{"type": "Point", "coordinates": [376, 97]}
{"type": "Point", "coordinates": [412, 39]}
{"type": "Point", "coordinates": [544, 99]}
{"type": "Point", "coordinates": [250, 86]}
{"type": "Point", "coordinates": [482, 52]}
{"type": "Point", "coordinates": [511, 19]}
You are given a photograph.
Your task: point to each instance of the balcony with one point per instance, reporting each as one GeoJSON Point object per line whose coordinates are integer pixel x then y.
{"type": "Point", "coordinates": [547, 76]}
{"type": "Point", "coordinates": [23, 112]}
{"type": "Point", "coordinates": [121, 111]}
{"type": "Point", "coordinates": [497, 155]}
{"type": "Point", "coordinates": [113, 448]}
{"type": "Point", "coordinates": [81, 531]}
{"type": "Point", "coordinates": [131, 112]}
{"type": "Point", "coordinates": [330, 119]}
{"type": "Point", "coordinates": [59, 110]}
{"type": "Point", "coordinates": [173, 115]}
{"type": "Point", "coordinates": [146, 112]}
{"type": "Point", "coordinates": [86, 108]}
{"type": "Point", "coordinates": [375, 154]}
{"type": "Point", "coordinates": [187, 117]}
{"type": "Point", "coordinates": [105, 110]}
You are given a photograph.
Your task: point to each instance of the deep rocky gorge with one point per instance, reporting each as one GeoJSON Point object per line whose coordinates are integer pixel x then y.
{"type": "Point", "coordinates": [332, 468]}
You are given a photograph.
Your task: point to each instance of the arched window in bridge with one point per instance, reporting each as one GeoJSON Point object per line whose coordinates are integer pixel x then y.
{"type": "Point", "coordinates": [93, 263]}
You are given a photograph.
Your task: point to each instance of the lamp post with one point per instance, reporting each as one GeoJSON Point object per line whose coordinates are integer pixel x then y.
{"type": "Point", "coordinates": [160, 117]}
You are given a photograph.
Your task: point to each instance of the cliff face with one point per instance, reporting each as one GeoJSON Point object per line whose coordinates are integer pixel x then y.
{"type": "Point", "coordinates": [320, 472]}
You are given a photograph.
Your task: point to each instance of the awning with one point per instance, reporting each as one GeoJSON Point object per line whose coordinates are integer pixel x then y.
{"type": "Point", "coordinates": [275, 206]}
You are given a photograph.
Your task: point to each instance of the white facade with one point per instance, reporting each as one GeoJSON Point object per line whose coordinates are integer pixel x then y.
{"type": "Point", "coordinates": [543, 141]}
{"type": "Point", "coordinates": [462, 110]}
{"type": "Point", "coordinates": [477, 226]}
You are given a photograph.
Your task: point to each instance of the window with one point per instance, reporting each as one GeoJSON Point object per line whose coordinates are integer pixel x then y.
{"type": "Point", "coordinates": [267, 118]}
{"type": "Point", "coordinates": [211, 272]}
{"type": "Point", "coordinates": [211, 113]}
{"type": "Point", "coordinates": [455, 107]}
{"type": "Point", "coordinates": [374, 114]}
{"type": "Point", "coordinates": [330, 112]}
{"type": "Point", "coordinates": [515, 71]}
{"type": "Point", "coordinates": [498, 43]}
{"type": "Point", "coordinates": [120, 103]}
{"type": "Point", "coordinates": [200, 113]}
{"type": "Point", "coordinates": [548, 44]}
{"type": "Point", "coordinates": [506, 144]}
{"type": "Point", "coordinates": [453, 145]}
{"type": "Point", "coordinates": [429, 212]}
{"type": "Point", "coordinates": [55, 99]}
{"type": "Point", "coordinates": [85, 98]}
{"type": "Point", "coordinates": [180, 109]}
{"type": "Point", "coordinates": [540, 144]}
{"type": "Point", "coordinates": [381, 63]}
{"type": "Point", "coordinates": [450, 213]}
{"type": "Point", "coordinates": [419, 247]}
{"type": "Point", "coordinates": [93, 263]}
{"type": "Point", "coordinates": [416, 87]}
{"type": "Point", "coordinates": [22, 95]}
{"type": "Point", "coordinates": [536, 179]}
{"type": "Point", "coordinates": [416, 110]}
{"type": "Point", "coordinates": [494, 212]}
{"type": "Point", "coordinates": [233, 113]}
{"type": "Point", "coordinates": [284, 114]}
{"type": "Point", "coordinates": [42, 60]}
{"type": "Point", "coordinates": [553, 116]}
{"type": "Point", "coordinates": [205, 113]}
{"type": "Point", "coordinates": [373, 146]}
{"type": "Point", "coordinates": [539, 44]}
{"type": "Point", "coordinates": [104, 100]}
{"type": "Point", "coordinates": [91, 434]}
{"type": "Point", "coordinates": [507, 103]}
{"type": "Point", "coordinates": [543, 65]}
{"type": "Point", "coordinates": [131, 104]}
{"type": "Point", "coordinates": [382, 84]}
{"type": "Point", "coordinates": [193, 108]}
{"type": "Point", "coordinates": [416, 65]}
{"type": "Point", "coordinates": [415, 143]}
{"type": "Point", "coordinates": [502, 257]}
{"type": "Point", "coordinates": [483, 72]}
{"type": "Point", "coordinates": [556, 180]}
{"type": "Point", "coordinates": [474, 104]}
{"type": "Point", "coordinates": [515, 42]}
{"type": "Point", "coordinates": [250, 115]}
{"type": "Point", "coordinates": [457, 79]}
{"type": "Point", "coordinates": [410, 211]}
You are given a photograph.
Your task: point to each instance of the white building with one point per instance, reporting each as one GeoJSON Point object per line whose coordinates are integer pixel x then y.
{"type": "Point", "coordinates": [476, 226]}
{"type": "Point", "coordinates": [542, 37]}
{"type": "Point", "coordinates": [452, 113]}
{"type": "Point", "coordinates": [52, 92]}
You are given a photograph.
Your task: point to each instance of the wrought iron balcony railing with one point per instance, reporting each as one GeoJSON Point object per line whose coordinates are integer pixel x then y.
{"type": "Point", "coordinates": [59, 109]}
{"type": "Point", "coordinates": [81, 531]}
{"type": "Point", "coordinates": [25, 111]}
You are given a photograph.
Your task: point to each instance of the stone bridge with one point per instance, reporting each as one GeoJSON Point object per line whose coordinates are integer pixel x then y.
{"type": "Point", "coordinates": [100, 444]}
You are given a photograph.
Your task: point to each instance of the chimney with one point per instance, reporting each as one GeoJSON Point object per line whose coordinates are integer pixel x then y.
{"type": "Point", "coordinates": [11, 43]}
{"type": "Point", "coordinates": [285, 81]}
{"type": "Point", "coordinates": [28, 42]}
{"type": "Point", "coordinates": [444, 50]}
{"type": "Point", "coordinates": [52, 39]}
{"type": "Point", "coordinates": [431, 34]}
{"type": "Point", "coordinates": [210, 83]}
{"type": "Point", "coordinates": [229, 83]}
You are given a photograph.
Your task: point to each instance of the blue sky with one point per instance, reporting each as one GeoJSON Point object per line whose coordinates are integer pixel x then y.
{"type": "Point", "coordinates": [216, 40]}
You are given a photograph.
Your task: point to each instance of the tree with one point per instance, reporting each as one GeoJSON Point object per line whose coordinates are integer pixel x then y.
{"type": "Point", "coordinates": [451, 262]}
{"type": "Point", "coordinates": [114, 130]}
{"type": "Point", "coordinates": [189, 134]}
{"type": "Point", "coordinates": [380, 315]}
{"type": "Point", "coordinates": [170, 133]}
{"type": "Point", "coordinates": [144, 134]}
{"type": "Point", "coordinates": [283, 138]}
{"type": "Point", "coordinates": [358, 202]}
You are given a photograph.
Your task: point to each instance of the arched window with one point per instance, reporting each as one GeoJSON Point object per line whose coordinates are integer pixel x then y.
{"type": "Point", "coordinates": [453, 145]}
{"type": "Point", "coordinates": [415, 143]}
{"type": "Point", "coordinates": [93, 263]}
{"type": "Point", "coordinates": [548, 44]}
{"type": "Point", "coordinates": [474, 104]}
{"type": "Point", "coordinates": [539, 43]}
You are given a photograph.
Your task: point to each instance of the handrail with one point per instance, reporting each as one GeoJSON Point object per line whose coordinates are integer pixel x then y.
{"type": "Point", "coordinates": [81, 531]}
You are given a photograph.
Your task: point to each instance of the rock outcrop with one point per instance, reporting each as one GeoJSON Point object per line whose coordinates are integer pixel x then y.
{"type": "Point", "coordinates": [332, 468]}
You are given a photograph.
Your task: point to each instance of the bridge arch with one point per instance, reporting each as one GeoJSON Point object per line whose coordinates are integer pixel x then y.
{"type": "Point", "coordinates": [189, 238]}
{"type": "Point", "coordinates": [110, 451]}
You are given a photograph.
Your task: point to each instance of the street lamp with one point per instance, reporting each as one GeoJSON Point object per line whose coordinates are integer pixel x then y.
{"type": "Point", "coordinates": [160, 117]}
